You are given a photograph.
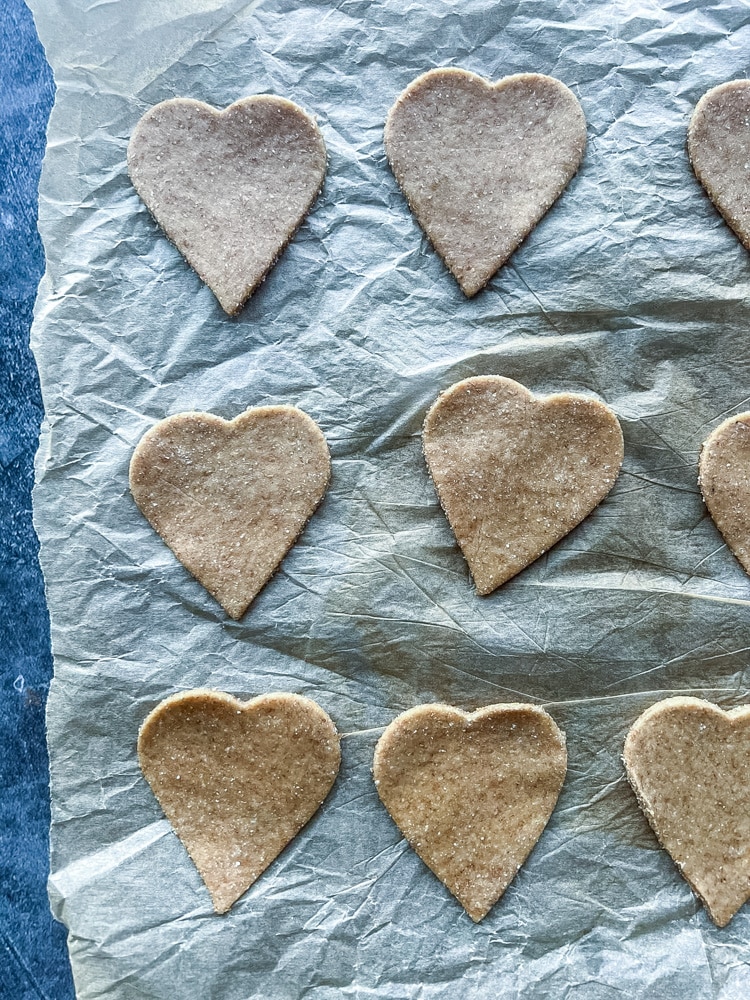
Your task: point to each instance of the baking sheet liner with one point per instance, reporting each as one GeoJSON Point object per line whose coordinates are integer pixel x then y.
{"type": "Point", "coordinates": [632, 289]}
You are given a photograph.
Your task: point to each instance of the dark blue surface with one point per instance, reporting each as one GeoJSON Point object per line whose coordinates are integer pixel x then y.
{"type": "Point", "coordinates": [33, 957]}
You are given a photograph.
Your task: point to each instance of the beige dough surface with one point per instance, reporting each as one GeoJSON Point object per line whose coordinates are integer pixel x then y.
{"type": "Point", "coordinates": [724, 479]}
{"type": "Point", "coordinates": [229, 188]}
{"type": "Point", "coordinates": [480, 163]}
{"type": "Point", "coordinates": [719, 149]}
{"type": "Point", "coordinates": [231, 497]}
{"type": "Point", "coordinates": [237, 780]}
{"type": "Point", "coordinates": [471, 793]}
{"type": "Point", "coordinates": [688, 762]}
{"type": "Point", "coordinates": [516, 472]}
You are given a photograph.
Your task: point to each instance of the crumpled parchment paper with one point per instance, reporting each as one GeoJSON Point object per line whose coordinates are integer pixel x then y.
{"type": "Point", "coordinates": [631, 289]}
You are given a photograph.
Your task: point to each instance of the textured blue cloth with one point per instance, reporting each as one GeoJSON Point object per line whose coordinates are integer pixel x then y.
{"type": "Point", "coordinates": [33, 957]}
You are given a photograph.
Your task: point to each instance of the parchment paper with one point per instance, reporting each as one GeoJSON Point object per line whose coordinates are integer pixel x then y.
{"type": "Point", "coordinates": [631, 289]}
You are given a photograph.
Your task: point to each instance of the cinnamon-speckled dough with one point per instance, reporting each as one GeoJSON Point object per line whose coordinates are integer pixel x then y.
{"type": "Point", "coordinates": [480, 163]}
{"type": "Point", "coordinates": [229, 188]}
{"type": "Point", "coordinates": [471, 793]}
{"type": "Point", "coordinates": [231, 497]}
{"type": "Point", "coordinates": [515, 472]}
{"type": "Point", "coordinates": [688, 763]}
{"type": "Point", "coordinates": [724, 479]}
{"type": "Point", "coordinates": [237, 780]}
{"type": "Point", "coordinates": [719, 149]}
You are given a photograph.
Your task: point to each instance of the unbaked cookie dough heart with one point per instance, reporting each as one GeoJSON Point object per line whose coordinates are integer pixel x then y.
{"type": "Point", "coordinates": [471, 793]}
{"type": "Point", "coordinates": [237, 780]}
{"type": "Point", "coordinates": [480, 163]}
{"type": "Point", "coordinates": [231, 497]}
{"type": "Point", "coordinates": [718, 146]}
{"type": "Point", "coordinates": [688, 762]}
{"type": "Point", "coordinates": [229, 188]}
{"type": "Point", "coordinates": [724, 479]}
{"type": "Point", "coordinates": [516, 472]}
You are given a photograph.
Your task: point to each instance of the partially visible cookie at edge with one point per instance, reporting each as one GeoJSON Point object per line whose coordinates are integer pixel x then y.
{"type": "Point", "coordinates": [724, 480]}
{"type": "Point", "coordinates": [718, 144]}
{"type": "Point", "coordinates": [687, 761]}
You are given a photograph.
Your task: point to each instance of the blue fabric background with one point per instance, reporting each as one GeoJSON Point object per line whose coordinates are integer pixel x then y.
{"type": "Point", "coordinates": [33, 956]}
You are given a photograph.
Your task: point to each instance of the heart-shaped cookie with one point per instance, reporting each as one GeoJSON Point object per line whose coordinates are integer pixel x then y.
{"type": "Point", "coordinates": [471, 793]}
{"type": "Point", "coordinates": [229, 188]}
{"type": "Point", "coordinates": [231, 497]}
{"type": "Point", "coordinates": [724, 479]}
{"type": "Point", "coordinates": [237, 780]}
{"type": "Point", "coordinates": [718, 146]}
{"type": "Point", "coordinates": [515, 472]}
{"type": "Point", "coordinates": [481, 163]}
{"type": "Point", "coordinates": [688, 763]}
